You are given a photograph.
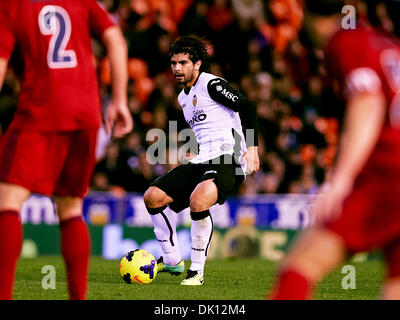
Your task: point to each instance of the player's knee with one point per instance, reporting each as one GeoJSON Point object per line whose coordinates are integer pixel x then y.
{"type": "Point", "coordinates": [12, 197]}
{"type": "Point", "coordinates": [68, 207]}
{"type": "Point", "coordinates": [154, 197]}
{"type": "Point", "coordinates": [198, 204]}
{"type": "Point", "coordinates": [204, 196]}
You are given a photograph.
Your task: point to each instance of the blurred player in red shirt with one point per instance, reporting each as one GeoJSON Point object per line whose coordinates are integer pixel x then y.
{"type": "Point", "coordinates": [49, 148]}
{"type": "Point", "coordinates": [359, 207]}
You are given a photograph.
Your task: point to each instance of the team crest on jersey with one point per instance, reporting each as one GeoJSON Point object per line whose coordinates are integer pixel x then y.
{"type": "Point", "coordinates": [194, 100]}
{"type": "Point", "coordinates": [225, 147]}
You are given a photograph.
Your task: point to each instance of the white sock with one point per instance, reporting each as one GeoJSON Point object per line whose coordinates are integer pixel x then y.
{"type": "Point", "coordinates": [165, 232]}
{"type": "Point", "coordinates": [201, 232]}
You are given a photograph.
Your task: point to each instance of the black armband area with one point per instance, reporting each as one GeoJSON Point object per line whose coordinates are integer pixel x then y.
{"type": "Point", "coordinates": [220, 91]}
{"type": "Point", "coordinates": [248, 115]}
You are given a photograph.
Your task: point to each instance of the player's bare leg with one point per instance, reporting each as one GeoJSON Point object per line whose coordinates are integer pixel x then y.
{"type": "Point", "coordinates": [155, 198]}
{"type": "Point", "coordinates": [202, 198]}
{"type": "Point", "coordinates": [75, 244]}
{"type": "Point", "coordinates": [313, 255]}
{"type": "Point", "coordinates": [68, 207]}
{"type": "Point", "coordinates": [391, 286]}
{"type": "Point", "coordinates": [391, 289]}
{"type": "Point", "coordinates": [12, 198]}
{"type": "Point", "coordinates": [164, 222]}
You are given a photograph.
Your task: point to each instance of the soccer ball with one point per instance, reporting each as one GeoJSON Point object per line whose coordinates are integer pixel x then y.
{"type": "Point", "coordinates": [138, 266]}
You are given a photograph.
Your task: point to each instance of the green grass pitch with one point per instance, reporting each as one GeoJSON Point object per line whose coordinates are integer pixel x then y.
{"type": "Point", "coordinates": [232, 279]}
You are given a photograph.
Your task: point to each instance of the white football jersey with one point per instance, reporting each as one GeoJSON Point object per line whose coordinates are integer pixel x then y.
{"type": "Point", "coordinates": [212, 123]}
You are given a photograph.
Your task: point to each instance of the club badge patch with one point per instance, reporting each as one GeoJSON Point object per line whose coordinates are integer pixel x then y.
{"type": "Point", "coordinates": [194, 100]}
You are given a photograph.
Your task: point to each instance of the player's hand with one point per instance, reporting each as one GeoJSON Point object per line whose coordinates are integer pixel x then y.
{"type": "Point", "coordinates": [251, 157]}
{"type": "Point", "coordinates": [329, 202]}
{"type": "Point", "coordinates": [118, 120]}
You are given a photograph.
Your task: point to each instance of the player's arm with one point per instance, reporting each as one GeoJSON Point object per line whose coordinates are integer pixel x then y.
{"type": "Point", "coordinates": [363, 121]}
{"type": "Point", "coordinates": [3, 70]}
{"type": "Point", "coordinates": [118, 117]}
{"type": "Point", "coordinates": [221, 92]}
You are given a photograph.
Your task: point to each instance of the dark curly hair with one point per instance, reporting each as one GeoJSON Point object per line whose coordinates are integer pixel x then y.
{"type": "Point", "coordinates": [195, 47]}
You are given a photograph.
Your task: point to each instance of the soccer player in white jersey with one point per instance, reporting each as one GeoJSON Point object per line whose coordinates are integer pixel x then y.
{"type": "Point", "coordinates": [215, 112]}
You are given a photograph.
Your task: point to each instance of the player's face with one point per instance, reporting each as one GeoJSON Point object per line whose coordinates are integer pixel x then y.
{"type": "Point", "coordinates": [184, 70]}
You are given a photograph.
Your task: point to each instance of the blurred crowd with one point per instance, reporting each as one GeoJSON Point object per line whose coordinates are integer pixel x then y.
{"type": "Point", "coordinates": [261, 48]}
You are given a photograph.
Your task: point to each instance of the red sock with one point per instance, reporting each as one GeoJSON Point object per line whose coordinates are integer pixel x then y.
{"type": "Point", "coordinates": [10, 248]}
{"type": "Point", "coordinates": [75, 248]}
{"type": "Point", "coordinates": [291, 286]}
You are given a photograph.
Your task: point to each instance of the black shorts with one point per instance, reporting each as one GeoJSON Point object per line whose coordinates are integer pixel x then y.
{"type": "Point", "coordinates": [180, 182]}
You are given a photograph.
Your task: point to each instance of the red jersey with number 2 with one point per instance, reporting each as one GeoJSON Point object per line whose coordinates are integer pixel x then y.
{"type": "Point", "coordinates": [59, 89]}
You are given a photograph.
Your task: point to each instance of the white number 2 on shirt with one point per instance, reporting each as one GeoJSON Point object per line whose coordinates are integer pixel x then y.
{"type": "Point", "coordinates": [55, 21]}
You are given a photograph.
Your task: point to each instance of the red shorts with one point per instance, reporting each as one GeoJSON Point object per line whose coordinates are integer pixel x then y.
{"type": "Point", "coordinates": [370, 218]}
{"type": "Point", "coordinates": [49, 163]}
